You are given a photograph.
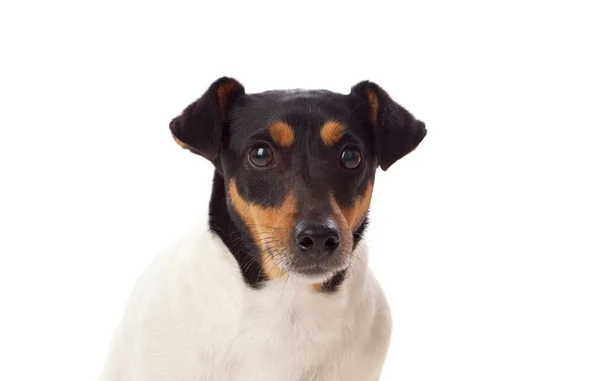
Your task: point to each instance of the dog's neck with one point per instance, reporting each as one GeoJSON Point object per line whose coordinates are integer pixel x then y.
{"type": "Point", "coordinates": [225, 222]}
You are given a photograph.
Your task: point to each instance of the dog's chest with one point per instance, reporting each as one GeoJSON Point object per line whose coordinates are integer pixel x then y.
{"type": "Point", "coordinates": [285, 332]}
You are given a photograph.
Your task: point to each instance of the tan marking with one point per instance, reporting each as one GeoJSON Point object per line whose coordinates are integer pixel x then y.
{"type": "Point", "coordinates": [182, 144]}
{"type": "Point", "coordinates": [331, 132]}
{"type": "Point", "coordinates": [316, 287]}
{"type": "Point", "coordinates": [269, 228]}
{"type": "Point", "coordinates": [349, 218]}
{"type": "Point", "coordinates": [374, 102]}
{"type": "Point", "coordinates": [282, 134]}
{"type": "Point", "coordinates": [355, 213]}
{"type": "Point", "coordinates": [222, 96]}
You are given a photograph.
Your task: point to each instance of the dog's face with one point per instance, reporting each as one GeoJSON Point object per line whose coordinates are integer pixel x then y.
{"type": "Point", "coordinates": [298, 166]}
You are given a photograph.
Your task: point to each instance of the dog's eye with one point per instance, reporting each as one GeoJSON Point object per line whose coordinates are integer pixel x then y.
{"type": "Point", "coordinates": [260, 155]}
{"type": "Point", "coordinates": [350, 158]}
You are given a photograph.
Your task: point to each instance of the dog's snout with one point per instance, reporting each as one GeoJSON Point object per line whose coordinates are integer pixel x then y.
{"type": "Point", "coordinates": [317, 238]}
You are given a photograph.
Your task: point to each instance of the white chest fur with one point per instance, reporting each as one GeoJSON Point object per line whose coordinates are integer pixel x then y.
{"type": "Point", "coordinates": [191, 317]}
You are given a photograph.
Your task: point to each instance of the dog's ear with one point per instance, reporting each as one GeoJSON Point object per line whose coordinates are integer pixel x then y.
{"type": "Point", "coordinates": [199, 128]}
{"type": "Point", "coordinates": [397, 132]}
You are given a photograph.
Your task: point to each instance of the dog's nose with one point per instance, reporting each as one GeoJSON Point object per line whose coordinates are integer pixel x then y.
{"type": "Point", "coordinates": [317, 239]}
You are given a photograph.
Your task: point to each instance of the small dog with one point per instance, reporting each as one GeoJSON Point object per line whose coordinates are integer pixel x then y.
{"type": "Point", "coordinates": [275, 286]}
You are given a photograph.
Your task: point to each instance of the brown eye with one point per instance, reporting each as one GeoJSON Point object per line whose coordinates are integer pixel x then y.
{"type": "Point", "coordinates": [350, 158]}
{"type": "Point", "coordinates": [260, 155]}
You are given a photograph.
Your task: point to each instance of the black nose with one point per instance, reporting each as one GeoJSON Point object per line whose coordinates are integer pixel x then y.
{"type": "Point", "coordinates": [317, 239]}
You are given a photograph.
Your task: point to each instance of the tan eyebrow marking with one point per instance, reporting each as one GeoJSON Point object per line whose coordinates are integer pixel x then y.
{"type": "Point", "coordinates": [331, 132]}
{"type": "Point", "coordinates": [282, 134]}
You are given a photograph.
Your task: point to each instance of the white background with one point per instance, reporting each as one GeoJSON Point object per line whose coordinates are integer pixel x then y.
{"type": "Point", "coordinates": [485, 238]}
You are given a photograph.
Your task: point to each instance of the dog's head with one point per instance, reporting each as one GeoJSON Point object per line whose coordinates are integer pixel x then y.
{"type": "Point", "coordinates": [298, 166]}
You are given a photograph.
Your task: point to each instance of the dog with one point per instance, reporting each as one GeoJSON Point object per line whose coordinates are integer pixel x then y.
{"type": "Point", "coordinates": [274, 284]}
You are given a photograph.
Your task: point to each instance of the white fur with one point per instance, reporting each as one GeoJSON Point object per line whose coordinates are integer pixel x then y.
{"type": "Point", "coordinates": [192, 318]}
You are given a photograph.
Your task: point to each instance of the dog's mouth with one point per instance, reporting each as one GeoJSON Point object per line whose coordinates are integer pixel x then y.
{"type": "Point", "coordinates": [317, 274]}
{"type": "Point", "coordinates": [296, 263]}
{"type": "Point", "coordinates": [312, 271]}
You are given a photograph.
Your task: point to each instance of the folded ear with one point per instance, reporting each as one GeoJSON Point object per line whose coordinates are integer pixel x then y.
{"type": "Point", "coordinates": [397, 131]}
{"type": "Point", "coordinates": [199, 128]}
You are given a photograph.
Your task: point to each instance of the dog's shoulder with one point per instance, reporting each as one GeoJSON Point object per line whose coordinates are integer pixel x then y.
{"type": "Point", "coordinates": [180, 299]}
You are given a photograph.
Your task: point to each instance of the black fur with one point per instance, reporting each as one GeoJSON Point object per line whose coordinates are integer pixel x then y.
{"type": "Point", "coordinates": [234, 234]}
{"type": "Point", "coordinates": [397, 131]}
{"type": "Point", "coordinates": [200, 125]}
{"type": "Point", "coordinates": [225, 123]}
